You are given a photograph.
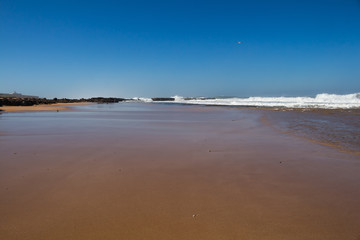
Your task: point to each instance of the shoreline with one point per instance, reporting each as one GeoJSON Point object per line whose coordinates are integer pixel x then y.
{"type": "Point", "coordinates": [42, 107]}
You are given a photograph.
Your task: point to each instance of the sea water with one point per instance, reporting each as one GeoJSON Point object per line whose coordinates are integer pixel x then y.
{"type": "Point", "coordinates": [320, 101]}
{"type": "Point", "coordinates": [339, 128]}
{"type": "Point", "coordinates": [336, 127]}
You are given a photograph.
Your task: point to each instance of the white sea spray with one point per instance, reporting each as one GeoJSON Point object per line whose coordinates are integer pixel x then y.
{"type": "Point", "coordinates": [322, 101]}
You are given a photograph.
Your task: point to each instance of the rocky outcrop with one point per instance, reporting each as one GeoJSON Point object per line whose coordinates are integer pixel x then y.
{"type": "Point", "coordinates": [24, 101]}
{"type": "Point", "coordinates": [36, 101]}
{"type": "Point", "coordinates": [163, 99]}
{"type": "Point", "coordinates": [106, 100]}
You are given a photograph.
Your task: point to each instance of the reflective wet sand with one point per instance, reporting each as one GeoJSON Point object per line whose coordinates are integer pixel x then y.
{"type": "Point", "coordinates": [146, 171]}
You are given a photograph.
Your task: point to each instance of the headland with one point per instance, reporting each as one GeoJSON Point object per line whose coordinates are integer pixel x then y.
{"type": "Point", "coordinates": [16, 102]}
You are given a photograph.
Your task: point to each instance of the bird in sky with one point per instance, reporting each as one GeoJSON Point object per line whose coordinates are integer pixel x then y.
{"type": "Point", "coordinates": [239, 42]}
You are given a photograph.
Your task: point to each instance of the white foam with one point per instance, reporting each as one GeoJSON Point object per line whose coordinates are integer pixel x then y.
{"type": "Point", "coordinates": [178, 98]}
{"type": "Point", "coordinates": [324, 100]}
{"type": "Point", "coordinates": [140, 99]}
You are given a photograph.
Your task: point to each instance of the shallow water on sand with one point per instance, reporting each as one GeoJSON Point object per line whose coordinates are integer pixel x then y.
{"type": "Point", "coordinates": [338, 128]}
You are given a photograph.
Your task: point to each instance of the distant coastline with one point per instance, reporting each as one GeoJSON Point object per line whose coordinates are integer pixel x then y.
{"type": "Point", "coordinates": [18, 99]}
{"type": "Point", "coordinates": [19, 102]}
{"type": "Point", "coordinates": [320, 101]}
{"type": "Point", "coordinates": [11, 102]}
{"type": "Point", "coordinates": [37, 101]}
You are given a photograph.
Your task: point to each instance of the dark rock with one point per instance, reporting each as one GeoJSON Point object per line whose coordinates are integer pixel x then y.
{"type": "Point", "coordinates": [36, 101]}
{"type": "Point", "coordinates": [163, 99]}
{"type": "Point", "coordinates": [106, 100]}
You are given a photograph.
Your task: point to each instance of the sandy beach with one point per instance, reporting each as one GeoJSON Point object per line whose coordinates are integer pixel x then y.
{"type": "Point", "coordinates": [152, 171]}
{"type": "Point", "coordinates": [41, 107]}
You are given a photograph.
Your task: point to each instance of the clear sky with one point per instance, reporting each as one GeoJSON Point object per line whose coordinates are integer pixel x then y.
{"type": "Point", "coordinates": [163, 48]}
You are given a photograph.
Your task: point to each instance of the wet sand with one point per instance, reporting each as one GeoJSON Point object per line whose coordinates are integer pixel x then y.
{"type": "Point", "coordinates": [41, 107]}
{"type": "Point", "coordinates": [146, 171]}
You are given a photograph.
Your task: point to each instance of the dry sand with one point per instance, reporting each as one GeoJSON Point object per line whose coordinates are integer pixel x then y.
{"type": "Point", "coordinates": [212, 174]}
{"type": "Point", "coordinates": [41, 107]}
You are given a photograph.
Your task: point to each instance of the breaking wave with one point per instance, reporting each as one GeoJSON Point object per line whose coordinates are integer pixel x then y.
{"type": "Point", "coordinates": [324, 100]}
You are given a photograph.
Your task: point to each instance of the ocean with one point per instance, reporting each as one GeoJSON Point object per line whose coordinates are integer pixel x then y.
{"type": "Point", "coordinates": [329, 119]}
{"type": "Point", "coordinates": [332, 120]}
{"type": "Point", "coordinates": [320, 101]}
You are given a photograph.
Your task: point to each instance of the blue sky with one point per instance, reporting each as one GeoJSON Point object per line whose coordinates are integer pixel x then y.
{"type": "Point", "coordinates": [189, 48]}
